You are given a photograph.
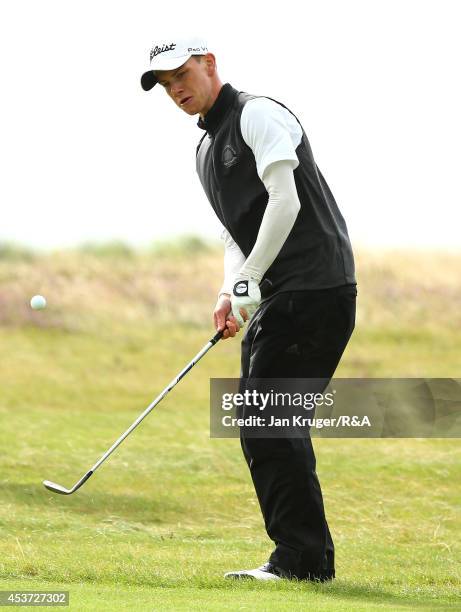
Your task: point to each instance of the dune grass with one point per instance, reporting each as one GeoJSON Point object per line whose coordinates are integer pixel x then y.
{"type": "Point", "coordinates": [172, 510]}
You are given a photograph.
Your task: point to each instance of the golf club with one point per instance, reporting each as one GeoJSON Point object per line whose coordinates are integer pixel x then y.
{"type": "Point", "coordinates": [57, 488]}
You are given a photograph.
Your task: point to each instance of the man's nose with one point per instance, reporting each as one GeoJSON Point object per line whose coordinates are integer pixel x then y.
{"type": "Point", "coordinates": [176, 89]}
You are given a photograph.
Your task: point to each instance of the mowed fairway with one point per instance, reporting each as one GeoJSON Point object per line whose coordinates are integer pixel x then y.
{"type": "Point", "coordinates": [172, 510]}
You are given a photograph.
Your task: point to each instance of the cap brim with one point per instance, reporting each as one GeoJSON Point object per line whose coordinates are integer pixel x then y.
{"type": "Point", "coordinates": [169, 63]}
{"type": "Point", "coordinates": [148, 80]}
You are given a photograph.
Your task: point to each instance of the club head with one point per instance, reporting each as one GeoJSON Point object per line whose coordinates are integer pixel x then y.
{"type": "Point", "coordinates": [57, 488]}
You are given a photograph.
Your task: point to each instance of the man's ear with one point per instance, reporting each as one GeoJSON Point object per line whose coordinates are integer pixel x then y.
{"type": "Point", "coordinates": [210, 62]}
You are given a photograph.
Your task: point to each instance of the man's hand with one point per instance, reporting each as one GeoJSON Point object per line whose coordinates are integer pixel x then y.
{"type": "Point", "coordinates": [245, 300]}
{"type": "Point", "coordinates": [223, 318]}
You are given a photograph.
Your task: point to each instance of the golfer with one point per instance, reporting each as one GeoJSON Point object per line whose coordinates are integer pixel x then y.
{"type": "Point", "coordinates": [280, 223]}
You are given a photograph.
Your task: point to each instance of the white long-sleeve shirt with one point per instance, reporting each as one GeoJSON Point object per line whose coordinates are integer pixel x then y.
{"type": "Point", "coordinates": [273, 134]}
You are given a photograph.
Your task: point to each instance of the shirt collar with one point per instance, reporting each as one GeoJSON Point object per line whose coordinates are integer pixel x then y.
{"type": "Point", "coordinates": [218, 111]}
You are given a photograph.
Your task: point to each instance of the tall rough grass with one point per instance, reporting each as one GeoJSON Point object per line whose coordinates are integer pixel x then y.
{"type": "Point", "coordinates": [177, 282]}
{"type": "Point", "coordinates": [170, 282]}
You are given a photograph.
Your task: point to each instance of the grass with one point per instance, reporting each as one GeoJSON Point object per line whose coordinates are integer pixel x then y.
{"type": "Point", "coordinates": [172, 509]}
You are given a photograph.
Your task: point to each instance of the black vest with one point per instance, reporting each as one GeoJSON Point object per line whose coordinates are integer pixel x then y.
{"type": "Point", "coordinates": [317, 253]}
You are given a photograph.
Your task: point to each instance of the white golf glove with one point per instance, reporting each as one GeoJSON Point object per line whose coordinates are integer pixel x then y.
{"type": "Point", "coordinates": [247, 296]}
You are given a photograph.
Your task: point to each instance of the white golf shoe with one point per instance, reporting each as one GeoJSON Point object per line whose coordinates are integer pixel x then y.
{"type": "Point", "coordinates": [265, 572]}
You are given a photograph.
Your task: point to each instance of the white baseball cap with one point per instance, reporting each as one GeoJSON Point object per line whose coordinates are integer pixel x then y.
{"type": "Point", "coordinates": [170, 54]}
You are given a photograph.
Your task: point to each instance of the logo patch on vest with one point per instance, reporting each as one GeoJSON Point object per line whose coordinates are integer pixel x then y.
{"type": "Point", "coordinates": [229, 156]}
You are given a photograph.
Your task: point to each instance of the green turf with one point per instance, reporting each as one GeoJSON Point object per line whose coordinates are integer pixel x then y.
{"type": "Point", "coordinates": [172, 510]}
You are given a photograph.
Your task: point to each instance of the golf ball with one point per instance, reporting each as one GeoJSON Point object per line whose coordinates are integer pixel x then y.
{"type": "Point", "coordinates": [38, 302]}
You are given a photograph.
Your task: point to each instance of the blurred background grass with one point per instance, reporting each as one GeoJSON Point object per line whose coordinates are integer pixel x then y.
{"type": "Point", "coordinates": [408, 318]}
{"type": "Point", "coordinates": [172, 508]}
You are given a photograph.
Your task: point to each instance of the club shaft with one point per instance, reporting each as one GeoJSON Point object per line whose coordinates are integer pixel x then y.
{"type": "Point", "coordinates": [158, 399]}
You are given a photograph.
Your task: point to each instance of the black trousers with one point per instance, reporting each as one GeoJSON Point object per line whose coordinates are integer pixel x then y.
{"type": "Point", "coordinates": [300, 334]}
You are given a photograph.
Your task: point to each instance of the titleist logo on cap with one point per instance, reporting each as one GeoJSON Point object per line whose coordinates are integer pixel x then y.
{"type": "Point", "coordinates": [156, 50]}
